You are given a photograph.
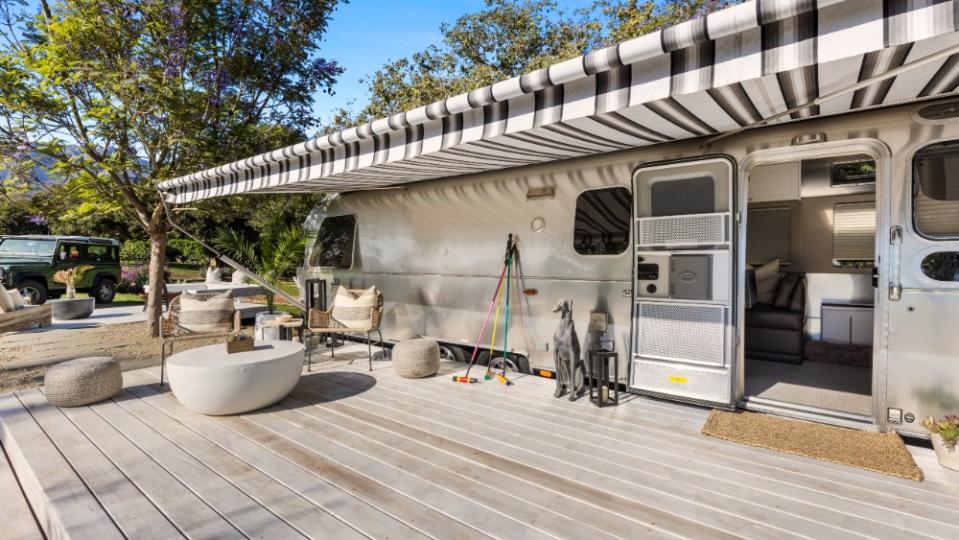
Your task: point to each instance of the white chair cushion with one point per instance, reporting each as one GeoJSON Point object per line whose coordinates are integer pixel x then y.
{"type": "Point", "coordinates": [354, 311]}
{"type": "Point", "coordinates": [6, 301]}
{"type": "Point", "coordinates": [207, 314]}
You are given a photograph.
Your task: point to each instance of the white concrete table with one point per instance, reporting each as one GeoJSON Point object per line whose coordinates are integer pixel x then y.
{"type": "Point", "coordinates": [210, 381]}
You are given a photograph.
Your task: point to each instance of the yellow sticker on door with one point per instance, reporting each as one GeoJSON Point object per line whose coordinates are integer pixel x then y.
{"type": "Point", "coordinates": [676, 379]}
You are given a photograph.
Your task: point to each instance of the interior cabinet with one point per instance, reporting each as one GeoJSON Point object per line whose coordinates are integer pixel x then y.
{"type": "Point", "coordinates": [779, 182]}
{"type": "Point", "coordinates": [847, 323]}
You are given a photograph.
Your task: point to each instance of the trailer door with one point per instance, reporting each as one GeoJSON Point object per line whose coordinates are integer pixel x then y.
{"type": "Point", "coordinates": [683, 316]}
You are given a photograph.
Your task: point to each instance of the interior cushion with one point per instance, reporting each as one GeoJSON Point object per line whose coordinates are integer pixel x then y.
{"type": "Point", "coordinates": [784, 292]}
{"type": "Point", "coordinates": [354, 310]}
{"type": "Point", "coordinates": [767, 281]}
{"type": "Point", "coordinates": [767, 316]}
{"type": "Point", "coordinates": [6, 301]}
{"type": "Point", "coordinates": [207, 314]}
{"type": "Point", "coordinates": [797, 302]}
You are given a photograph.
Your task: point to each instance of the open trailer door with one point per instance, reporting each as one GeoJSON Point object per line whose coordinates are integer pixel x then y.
{"type": "Point", "coordinates": [683, 317]}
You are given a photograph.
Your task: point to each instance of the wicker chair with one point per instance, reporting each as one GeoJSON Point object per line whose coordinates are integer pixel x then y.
{"type": "Point", "coordinates": [171, 331]}
{"type": "Point", "coordinates": [322, 323]}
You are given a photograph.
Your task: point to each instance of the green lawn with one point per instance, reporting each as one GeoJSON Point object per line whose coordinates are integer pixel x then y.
{"type": "Point", "coordinates": [120, 300]}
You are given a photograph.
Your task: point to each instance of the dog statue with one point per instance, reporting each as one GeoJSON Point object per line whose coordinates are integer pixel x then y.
{"type": "Point", "coordinates": [570, 369]}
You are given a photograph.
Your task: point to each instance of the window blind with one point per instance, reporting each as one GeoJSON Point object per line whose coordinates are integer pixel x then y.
{"type": "Point", "coordinates": [767, 235]}
{"type": "Point", "coordinates": [853, 233]}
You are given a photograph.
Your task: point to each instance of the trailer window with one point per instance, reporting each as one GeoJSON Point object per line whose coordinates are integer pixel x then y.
{"type": "Point", "coordinates": [854, 234]}
{"type": "Point", "coordinates": [942, 266]}
{"type": "Point", "coordinates": [768, 236]}
{"type": "Point", "coordinates": [936, 190]}
{"type": "Point", "coordinates": [602, 222]}
{"type": "Point", "coordinates": [334, 243]}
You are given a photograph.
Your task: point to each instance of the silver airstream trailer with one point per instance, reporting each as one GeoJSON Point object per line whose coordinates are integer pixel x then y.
{"type": "Point", "coordinates": [759, 208]}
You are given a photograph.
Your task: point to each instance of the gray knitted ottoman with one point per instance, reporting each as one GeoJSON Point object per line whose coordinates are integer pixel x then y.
{"type": "Point", "coordinates": [83, 381]}
{"type": "Point", "coordinates": [416, 358]}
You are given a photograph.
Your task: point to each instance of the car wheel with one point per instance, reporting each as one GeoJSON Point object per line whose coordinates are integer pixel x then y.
{"type": "Point", "coordinates": [451, 353]}
{"type": "Point", "coordinates": [104, 291]}
{"type": "Point", "coordinates": [33, 291]}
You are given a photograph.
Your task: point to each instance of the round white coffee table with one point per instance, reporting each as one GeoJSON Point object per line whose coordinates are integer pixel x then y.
{"type": "Point", "coordinates": [210, 381]}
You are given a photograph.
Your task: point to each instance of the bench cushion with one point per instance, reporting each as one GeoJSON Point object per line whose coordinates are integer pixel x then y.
{"type": "Point", "coordinates": [205, 314]}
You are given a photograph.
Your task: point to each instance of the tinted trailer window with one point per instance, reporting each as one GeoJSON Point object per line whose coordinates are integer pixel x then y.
{"type": "Point", "coordinates": [602, 222]}
{"type": "Point", "coordinates": [334, 243]}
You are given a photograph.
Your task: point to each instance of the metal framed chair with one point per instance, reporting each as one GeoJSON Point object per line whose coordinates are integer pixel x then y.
{"type": "Point", "coordinates": [172, 332]}
{"type": "Point", "coordinates": [321, 322]}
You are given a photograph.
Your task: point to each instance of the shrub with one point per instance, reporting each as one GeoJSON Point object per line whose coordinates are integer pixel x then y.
{"type": "Point", "coordinates": [133, 278]}
{"type": "Point", "coordinates": [135, 251]}
{"type": "Point", "coordinates": [184, 250]}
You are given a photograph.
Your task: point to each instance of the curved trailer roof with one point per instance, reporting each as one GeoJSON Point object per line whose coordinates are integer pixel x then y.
{"type": "Point", "coordinates": [754, 62]}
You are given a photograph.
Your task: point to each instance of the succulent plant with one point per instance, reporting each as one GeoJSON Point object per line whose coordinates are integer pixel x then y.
{"type": "Point", "coordinates": [947, 428]}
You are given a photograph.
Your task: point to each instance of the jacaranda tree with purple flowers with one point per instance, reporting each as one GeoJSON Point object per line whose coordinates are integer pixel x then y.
{"type": "Point", "coordinates": [118, 95]}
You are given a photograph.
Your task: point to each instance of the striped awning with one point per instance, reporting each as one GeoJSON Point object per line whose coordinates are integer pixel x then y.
{"type": "Point", "coordinates": [706, 76]}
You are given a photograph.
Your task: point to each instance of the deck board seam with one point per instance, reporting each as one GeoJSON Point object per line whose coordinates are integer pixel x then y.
{"type": "Point", "coordinates": [176, 477]}
{"type": "Point", "coordinates": [591, 471]}
{"type": "Point", "coordinates": [208, 467]}
{"type": "Point", "coordinates": [425, 396]}
{"type": "Point", "coordinates": [23, 494]}
{"type": "Point", "coordinates": [71, 465]}
{"type": "Point", "coordinates": [261, 471]}
{"type": "Point", "coordinates": [724, 481]}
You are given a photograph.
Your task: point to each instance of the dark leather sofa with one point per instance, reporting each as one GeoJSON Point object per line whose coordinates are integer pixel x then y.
{"type": "Point", "coordinates": [776, 331]}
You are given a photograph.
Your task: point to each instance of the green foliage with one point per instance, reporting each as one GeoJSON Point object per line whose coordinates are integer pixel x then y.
{"type": "Point", "coordinates": [947, 428]}
{"type": "Point", "coordinates": [508, 38]}
{"type": "Point", "coordinates": [135, 251]}
{"type": "Point", "coordinates": [185, 250]}
{"type": "Point", "coordinates": [273, 257]}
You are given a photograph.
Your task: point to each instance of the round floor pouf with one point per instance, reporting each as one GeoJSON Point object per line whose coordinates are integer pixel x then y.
{"type": "Point", "coordinates": [83, 381]}
{"type": "Point", "coordinates": [416, 358]}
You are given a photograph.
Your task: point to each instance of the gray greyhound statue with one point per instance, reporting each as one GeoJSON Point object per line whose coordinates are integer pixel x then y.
{"type": "Point", "coordinates": [570, 369]}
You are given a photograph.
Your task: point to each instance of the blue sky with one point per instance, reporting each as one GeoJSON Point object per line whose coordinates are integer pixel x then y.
{"type": "Point", "coordinates": [365, 34]}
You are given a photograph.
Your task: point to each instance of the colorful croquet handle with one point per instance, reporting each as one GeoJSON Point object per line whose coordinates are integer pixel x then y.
{"type": "Point", "coordinates": [464, 380]}
{"type": "Point", "coordinates": [504, 380]}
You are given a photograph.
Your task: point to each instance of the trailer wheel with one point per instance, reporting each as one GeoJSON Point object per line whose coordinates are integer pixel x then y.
{"type": "Point", "coordinates": [497, 364]}
{"type": "Point", "coordinates": [452, 353]}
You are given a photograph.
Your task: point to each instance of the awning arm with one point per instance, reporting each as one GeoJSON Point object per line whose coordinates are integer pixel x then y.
{"type": "Point", "coordinates": [230, 262]}
{"type": "Point", "coordinates": [945, 53]}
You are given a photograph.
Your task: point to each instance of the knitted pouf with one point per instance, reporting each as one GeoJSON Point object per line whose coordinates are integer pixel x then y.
{"type": "Point", "coordinates": [83, 381]}
{"type": "Point", "coordinates": [416, 358]}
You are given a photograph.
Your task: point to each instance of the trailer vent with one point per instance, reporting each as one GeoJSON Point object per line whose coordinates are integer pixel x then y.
{"type": "Point", "coordinates": [692, 333]}
{"type": "Point", "coordinates": [688, 230]}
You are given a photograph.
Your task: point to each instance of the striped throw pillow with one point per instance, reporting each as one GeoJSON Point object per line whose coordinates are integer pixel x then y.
{"type": "Point", "coordinates": [207, 314]}
{"type": "Point", "coordinates": [354, 311]}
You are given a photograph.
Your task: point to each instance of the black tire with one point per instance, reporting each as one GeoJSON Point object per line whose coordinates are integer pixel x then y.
{"type": "Point", "coordinates": [33, 291]}
{"type": "Point", "coordinates": [104, 291]}
{"type": "Point", "coordinates": [452, 353]}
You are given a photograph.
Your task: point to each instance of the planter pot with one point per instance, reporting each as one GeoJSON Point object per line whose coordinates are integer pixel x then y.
{"type": "Point", "coordinates": [948, 457]}
{"type": "Point", "coordinates": [67, 309]}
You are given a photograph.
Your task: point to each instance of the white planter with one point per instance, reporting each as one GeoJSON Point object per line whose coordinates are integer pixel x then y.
{"type": "Point", "coordinates": [948, 457]}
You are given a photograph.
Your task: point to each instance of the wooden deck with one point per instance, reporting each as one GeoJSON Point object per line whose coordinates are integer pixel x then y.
{"type": "Point", "coordinates": [353, 454]}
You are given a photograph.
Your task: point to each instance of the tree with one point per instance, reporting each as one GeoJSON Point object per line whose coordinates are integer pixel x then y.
{"type": "Point", "coordinates": [115, 96]}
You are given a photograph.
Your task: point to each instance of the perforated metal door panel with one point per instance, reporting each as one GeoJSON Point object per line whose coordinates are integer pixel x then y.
{"type": "Point", "coordinates": [683, 332]}
{"type": "Point", "coordinates": [688, 230]}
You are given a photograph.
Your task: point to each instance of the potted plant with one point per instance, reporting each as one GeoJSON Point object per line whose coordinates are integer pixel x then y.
{"type": "Point", "coordinates": [945, 434]}
{"type": "Point", "coordinates": [71, 307]}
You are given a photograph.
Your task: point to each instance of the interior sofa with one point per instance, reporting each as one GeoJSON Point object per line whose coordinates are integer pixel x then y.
{"type": "Point", "coordinates": [776, 331]}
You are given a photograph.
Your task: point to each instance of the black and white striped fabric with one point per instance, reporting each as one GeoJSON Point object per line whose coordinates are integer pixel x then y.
{"type": "Point", "coordinates": [706, 76]}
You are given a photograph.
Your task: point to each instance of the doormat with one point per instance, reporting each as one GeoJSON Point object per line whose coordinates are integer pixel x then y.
{"type": "Point", "coordinates": [878, 452]}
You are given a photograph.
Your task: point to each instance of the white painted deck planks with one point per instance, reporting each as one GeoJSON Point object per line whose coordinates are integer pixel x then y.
{"type": "Point", "coordinates": [352, 454]}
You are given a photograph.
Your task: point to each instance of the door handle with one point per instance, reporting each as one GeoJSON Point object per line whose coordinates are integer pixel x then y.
{"type": "Point", "coordinates": [895, 248]}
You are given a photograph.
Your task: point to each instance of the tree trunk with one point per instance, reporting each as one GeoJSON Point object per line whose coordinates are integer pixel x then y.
{"type": "Point", "coordinates": [158, 238]}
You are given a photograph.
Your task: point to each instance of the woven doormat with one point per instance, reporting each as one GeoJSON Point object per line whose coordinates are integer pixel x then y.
{"type": "Point", "coordinates": [878, 452]}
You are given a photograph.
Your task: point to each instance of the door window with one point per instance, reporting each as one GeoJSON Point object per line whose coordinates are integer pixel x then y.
{"type": "Point", "coordinates": [936, 190]}
{"type": "Point", "coordinates": [941, 266]}
{"type": "Point", "coordinates": [602, 222]}
{"type": "Point", "coordinates": [334, 243]}
{"type": "Point", "coordinates": [100, 254]}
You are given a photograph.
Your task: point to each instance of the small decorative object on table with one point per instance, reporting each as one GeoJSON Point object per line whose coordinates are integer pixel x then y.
{"type": "Point", "coordinates": [239, 343]}
{"type": "Point", "coordinates": [945, 439]}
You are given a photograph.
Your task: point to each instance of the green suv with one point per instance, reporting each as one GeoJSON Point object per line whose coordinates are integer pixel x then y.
{"type": "Point", "coordinates": [28, 263]}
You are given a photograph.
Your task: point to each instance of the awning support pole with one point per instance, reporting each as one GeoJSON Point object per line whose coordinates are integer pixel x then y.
{"type": "Point", "coordinates": [233, 264]}
{"type": "Point", "coordinates": [945, 53]}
